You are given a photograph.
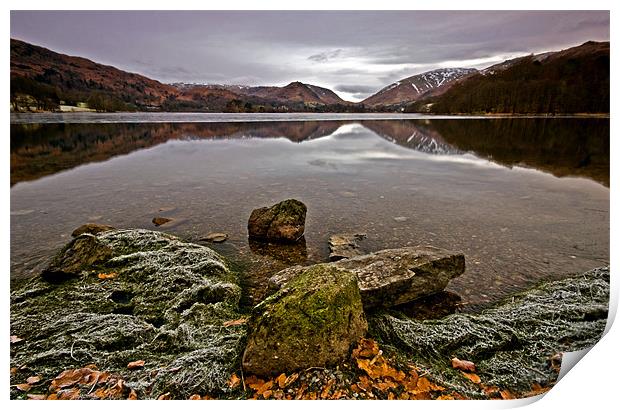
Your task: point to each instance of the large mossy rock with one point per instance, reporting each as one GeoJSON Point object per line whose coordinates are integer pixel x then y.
{"type": "Point", "coordinates": [512, 343]}
{"type": "Point", "coordinates": [310, 322]}
{"type": "Point", "coordinates": [394, 276]}
{"type": "Point", "coordinates": [282, 222]}
{"type": "Point", "coordinates": [126, 295]}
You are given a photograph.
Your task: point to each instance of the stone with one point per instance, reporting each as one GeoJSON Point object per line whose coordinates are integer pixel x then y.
{"type": "Point", "coordinates": [400, 218]}
{"type": "Point", "coordinates": [393, 276]}
{"type": "Point", "coordinates": [161, 300]}
{"type": "Point", "coordinates": [282, 222]}
{"type": "Point", "coordinates": [82, 252]}
{"type": "Point", "coordinates": [311, 322]}
{"type": "Point", "coordinates": [344, 246]}
{"type": "Point", "coordinates": [91, 228]}
{"type": "Point", "coordinates": [158, 220]}
{"type": "Point", "coordinates": [216, 237]}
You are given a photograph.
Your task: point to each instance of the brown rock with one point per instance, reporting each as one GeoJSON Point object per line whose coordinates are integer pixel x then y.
{"type": "Point", "coordinates": [82, 252]}
{"type": "Point", "coordinates": [91, 228]}
{"type": "Point", "coordinates": [158, 220]}
{"type": "Point", "coordinates": [216, 237]}
{"type": "Point", "coordinates": [283, 222]}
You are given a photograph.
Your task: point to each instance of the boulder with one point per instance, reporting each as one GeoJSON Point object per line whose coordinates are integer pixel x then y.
{"type": "Point", "coordinates": [344, 246]}
{"type": "Point", "coordinates": [311, 322]}
{"type": "Point", "coordinates": [91, 228]}
{"type": "Point", "coordinates": [393, 276]}
{"type": "Point", "coordinates": [282, 222]}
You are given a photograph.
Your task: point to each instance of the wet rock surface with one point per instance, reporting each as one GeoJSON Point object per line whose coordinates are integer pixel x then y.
{"type": "Point", "coordinates": [282, 222]}
{"type": "Point", "coordinates": [151, 297]}
{"type": "Point", "coordinates": [215, 237]}
{"type": "Point", "coordinates": [159, 220]}
{"type": "Point", "coordinates": [394, 276]}
{"type": "Point", "coordinates": [344, 246]}
{"type": "Point", "coordinates": [311, 322]}
{"type": "Point", "coordinates": [91, 228]}
{"type": "Point", "coordinates": [512, 344]}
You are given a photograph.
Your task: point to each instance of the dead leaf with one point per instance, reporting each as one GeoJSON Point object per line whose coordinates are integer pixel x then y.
{"type": "Point", "coordinates": [267, 394]}
{"type": "Point", "coordinates": [15, 339]}
{"type": "Point", "coordinates": [234, 381]}
{"type": "Point", "coordinates": [236, 322]}
{"type": "Point", "coordinates": [291, 379]}
{"type": "Point", "coordinates": [69, 377]}
{"type": "Point", "coordinates": [138, 364]}
{"type": "Point", "coordinates": [132, 395]}
{"type": "Point", "coordinates": [366, 349]}
{"type": "Point", "coordinates": [472, 376]}
{"type": "Point", "coordinates": [69, 394]}
{"type": "Point", "coordinates": [445, 397]}
{"type": "Point", "coordinates": [13, 371]}
{"type": "Point", "coordinates": [36, 396]}
{"type": "Point", "coordinates": [506, 395]}
{"type": "Point", "coordinates": [195, 397]}
{"type": "Point", "coordinates": [110, 275]}
{"type": "Point", "coordinates": [281, 380]}
{"type": "Point", "coordinates": [23, 387]}
{"type": "Point", "coordinates": [52, 396]}
{"type": "Point", "coordinates": [33, 379]}
{"type": "Point", "coordinates": [463, 365]}
{"type": "Point", "coordinates": [165, 396]}
{"type": "Point", "coordinates": [423, 384]}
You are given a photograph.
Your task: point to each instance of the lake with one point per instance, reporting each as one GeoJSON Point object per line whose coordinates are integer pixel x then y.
{"type": "Point", "coordinates": [525, 199]}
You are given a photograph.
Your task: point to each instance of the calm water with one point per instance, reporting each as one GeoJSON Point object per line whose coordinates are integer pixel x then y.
{"type": "Point", "coordinates": [524, 199]}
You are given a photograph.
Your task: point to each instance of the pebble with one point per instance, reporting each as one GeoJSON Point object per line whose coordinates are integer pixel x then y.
{"type": "Point", "coordinates": [216, 237]}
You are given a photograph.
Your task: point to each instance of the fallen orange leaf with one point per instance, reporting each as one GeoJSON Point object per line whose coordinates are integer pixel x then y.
{"type": "Point", "coordinates": [165, 396]}
{"type": "Point", "coordinates": [506, 395]}
{"type": "Point", "coordinates": [138, 364]}
{"type": "Point", "coordinates": [15, 339]}
{"type": "Point", "coordinates": [291, 379]}
{"type": "Point", "coordinates": [472, 376]}
{"type": "Point", "coordinates": [195, 397]}
{"type": "Point", "coordinates": [70, 394]}
{"type": "Point", "coordinates": [33, 379]}
{"type": "Point", "coordinates": [236, 322]}
{"type": "Point", "coordinates": [36, 396]}
{"type": "Point", "coordinates": [281, 380]}
{"type": "Point", "coordinates": [23, 387]}
{"type": "Point", "coordinates": [110, 275]}
{"type": "Point", "coordinates": [132, 395]}
{"type": "Point", "coordinates": [463, 365]}
{"type": "Point", "coordinates": [234, 381]}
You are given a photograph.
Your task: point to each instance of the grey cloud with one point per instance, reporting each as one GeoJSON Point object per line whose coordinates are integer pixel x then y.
{"type": "Point", "coordinates": [325, 56]}
{"type": "Point", "coordinates": [355, 88]}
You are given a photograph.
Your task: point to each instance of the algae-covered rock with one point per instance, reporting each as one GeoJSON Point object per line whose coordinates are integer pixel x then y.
{"type": "Point", "coordinates": [153, 298]}
{"type": "Point", "coordinates": [394, 276]}
{"type": "Point", "coordinates": [282, 222]}
{"type": "Point", "coordinates": [312, 321]}
{"type": "Point", "coordinates": [511, 343]}
{"type": "Point", "coordinates": [91, 228]}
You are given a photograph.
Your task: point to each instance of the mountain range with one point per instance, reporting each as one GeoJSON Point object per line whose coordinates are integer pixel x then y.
{"type": "Point", "coordinates": [575, 80]}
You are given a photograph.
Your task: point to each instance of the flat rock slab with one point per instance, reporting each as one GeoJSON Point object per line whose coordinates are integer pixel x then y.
{"type": "Point", "coordinates": [91, 228]}
{"type": "Point", "coordinates": [393, 276]}
{"type": "Point", "coordinates": [344, 246]}
{"type": "Point", "coordinates": [216, 237]}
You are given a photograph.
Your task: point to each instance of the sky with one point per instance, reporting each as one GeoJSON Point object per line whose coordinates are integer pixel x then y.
{"type": "Point", "coordinates": [354, 53]}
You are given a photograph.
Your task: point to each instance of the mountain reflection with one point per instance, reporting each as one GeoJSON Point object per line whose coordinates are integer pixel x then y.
{"type": "Point", "coordinates": [562, 147]}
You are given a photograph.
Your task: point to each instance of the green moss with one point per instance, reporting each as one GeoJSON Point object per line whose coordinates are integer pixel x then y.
{"type": "Point", "coordinates": [166, 300]}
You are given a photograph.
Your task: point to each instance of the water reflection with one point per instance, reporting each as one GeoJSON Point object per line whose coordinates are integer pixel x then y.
{"type": "Point", "coordinates": [562, 147]}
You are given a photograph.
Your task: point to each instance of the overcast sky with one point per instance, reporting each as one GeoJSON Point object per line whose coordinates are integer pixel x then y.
{"type": "Point", "coordinates": [354, 53]}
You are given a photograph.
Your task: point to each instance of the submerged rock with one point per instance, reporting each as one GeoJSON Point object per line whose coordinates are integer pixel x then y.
{"type": "Point", "coordinates": [513, 343]}
{"type": "Point", "coordinates": [344, 246]}
{"type": "Point", "coordinates": [91, 228]}
{"type": "Point", "coordinates": [141, 295]}
{"type": "Point", "coordinates": [394, 276]}
{"type": "Point", "coordinates": [159, 220]}
{"type": "Point", "coordinates": [282, 222]}
{"type": "Point", "coordinates": [216, 237]}
{"type": "Point", "coordinates": [310, 322]}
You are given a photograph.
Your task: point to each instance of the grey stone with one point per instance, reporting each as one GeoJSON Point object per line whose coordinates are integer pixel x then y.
{"type": "Point", "coordinates": [344, 246]}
